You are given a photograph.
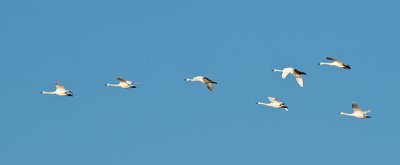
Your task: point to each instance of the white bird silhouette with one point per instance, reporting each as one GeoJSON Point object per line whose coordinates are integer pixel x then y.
{"type": "Point", "coordinates": [209, 83]}
{"type": "Point", "coordinates": [60, 91]}
{"type": "Point", "coordinates": [358, 113]}
{"type": "Point", "coordinates": [122, 83]}
{"type": "Point", "coordinates": [335, 63]}
{"type": "Point", "coordinates": [274, 103]}
{"type": "Point", "coordinates": [296, 73]}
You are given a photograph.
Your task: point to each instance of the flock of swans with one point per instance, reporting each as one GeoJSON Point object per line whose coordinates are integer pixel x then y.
{"type": "Point", "coordinates": [274, 102]}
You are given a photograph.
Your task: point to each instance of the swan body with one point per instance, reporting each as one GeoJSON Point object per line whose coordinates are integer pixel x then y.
{"type": "Point", "coordinates": [60, 91]}
{"type": "Point", "coordinates": [357, 112]}
{"type": "Point", "coordinates": [122, 83]}
{"type": "Point", "coordinates": [275, 103]}
{"type": "Point", "coordinates": [209, 83]}
{"type": "Point", "coordinates": [336, 63]}
{"type": "Point", "coordinates": [296, 73]}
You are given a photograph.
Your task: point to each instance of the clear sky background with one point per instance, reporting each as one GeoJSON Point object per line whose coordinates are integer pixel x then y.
{"type": "Point", "coordinates": [166, 121]}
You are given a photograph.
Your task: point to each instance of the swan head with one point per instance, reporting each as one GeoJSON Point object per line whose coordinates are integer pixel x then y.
{"type": "Point", "coordinates": [340, 113]}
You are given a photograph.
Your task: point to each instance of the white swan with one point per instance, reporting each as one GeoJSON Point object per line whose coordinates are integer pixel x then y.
{"type": "Point", "coordinates": [209, 83]}
{"type": "Point", "coordinates": [335, 63]}
{"type": "Point", "coordinates": [358, 113]}
{"type": "Point", "coordinates": [122, 83]}
{"type": "Point", "coordinates": [296, 73]}
{"type": "Point", "coordinates": [60, 91]}
{"type": "Point", "coordinates": [274, 103]}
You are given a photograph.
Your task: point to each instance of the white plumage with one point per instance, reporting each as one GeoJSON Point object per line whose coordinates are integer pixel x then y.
{"type": "Point", "coordinates": [296, 73]}
{"type": "Point", "coordinates": [357, 112]}
{"type": "Point", "coordinates": [274, 102]}
{"type": "Point", "coordinates": [60, 91]}
{"type": "Point", "coordinates": [208, 82]}
{"type": "Point", "coordinates": [122, 83]}
{"type": "Point", "coordinates": [336, 63]}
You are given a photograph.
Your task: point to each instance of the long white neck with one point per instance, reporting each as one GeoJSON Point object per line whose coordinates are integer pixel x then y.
{"type": "Point", "coordinates": [277, 70]}
{"type": "Point", "coordinates": [112, 85]}
{"type": "Point", "coordinates": [326, 63]}
{"type": "Point", "coordinates": [48, 93]}
{"type": "Point", "coordinates": [346, 114]}
{"type": "Point", "coordinates": [266, 104]}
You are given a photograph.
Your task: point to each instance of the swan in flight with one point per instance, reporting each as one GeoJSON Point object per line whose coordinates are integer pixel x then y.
{"type": "Point", "coordinates": [60, 91]}
{"type": "Point", "coordinates": [122, 83]}
{"type": "Point", "coordinates": [335, 63]}
{"type": "Point", "coordinates": [296, 73]}
{"type": "Point", "coordinates": [209, 83]}
{"type": "Point", "coordinates": [274, 103]}
{"type": "Point", "coordinates": [358, 113]}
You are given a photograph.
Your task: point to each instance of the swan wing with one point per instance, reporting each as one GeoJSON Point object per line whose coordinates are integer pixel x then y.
{"type": "Point", "coordinates": [299, 80]}
{"type": "Point", "coordinates": [334, 60]}
{"type": "Point", "coordinates": [121, 80]}
{"type": "Point", "coordinates": [207, 80]}
{"type": "Point", "coordinates": [273, 99]}
{"type": "Point", "coordinates": [356, 108]}
{"type": "Point", "coordinates": [59, 87]}
{"type": "Point", "coordinates": [285, 72]}
{"type": "Point", "coordinates": [210, 86]}
{"type": "Point", "coordinates": [365, 112]}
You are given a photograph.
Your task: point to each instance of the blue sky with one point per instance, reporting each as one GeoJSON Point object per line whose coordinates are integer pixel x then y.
{"type": "Point", "coordinates": [85, 44]}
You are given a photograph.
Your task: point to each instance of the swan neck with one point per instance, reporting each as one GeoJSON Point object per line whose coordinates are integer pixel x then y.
{"type": "Point", "coordinates": [346, 114]}
{"type": "Point", "coordinates": [325, 63]}
{"type": "Point", "coordinates": [112, 85]}
{"type": "Point", "coordinates": [261, 103]}
{"type": "Point", "coordinates": [48, 93]}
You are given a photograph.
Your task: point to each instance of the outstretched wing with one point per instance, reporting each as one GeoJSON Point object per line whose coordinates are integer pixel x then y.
{"type": "Point", "coordinates": [59, 87]}
{"type": "Point", "coordinates": [273, 99]}
{"type": "Point", "coordinates": [129, 82]}
{"type": "Point", "coordinates": [207, 80]}
{"type": "Point", "coordinates": [210, 86]}
{"type": "Point", "coordinates": [285, 72]}
{"type": "Point", "coordinates": [121, 80]}
{"type": "Point", "coordinates": [334, 59]}
{"type": "Point", "coordinates": [299, 80]}
{"type": "Point", "coordinates": [365, 112]}
{"type": "Point", "coordinates": [356, 108]}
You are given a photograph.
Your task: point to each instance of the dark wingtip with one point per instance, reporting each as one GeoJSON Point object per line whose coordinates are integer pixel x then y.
{"type": "Point", "coordinates": [133, 86]}
{"type": "Point", "coordinates": [347, 67]}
